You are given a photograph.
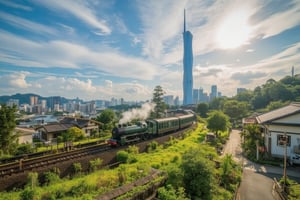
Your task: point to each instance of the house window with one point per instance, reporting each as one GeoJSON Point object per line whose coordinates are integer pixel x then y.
{"type": "Point", "coordinates": [281, 139]}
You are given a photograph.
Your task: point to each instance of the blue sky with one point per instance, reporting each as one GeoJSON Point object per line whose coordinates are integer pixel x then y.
{"type": "Point", "coordinates": [123, 48]}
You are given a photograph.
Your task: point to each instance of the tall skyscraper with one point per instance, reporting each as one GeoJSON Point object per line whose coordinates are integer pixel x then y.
{"type": "Point", "coordinates": [187, 66]}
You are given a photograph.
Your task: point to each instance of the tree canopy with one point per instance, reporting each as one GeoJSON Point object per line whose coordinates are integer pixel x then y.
{"type": "Point", "coordinates": [160, 105]}
{"type": "Point", "coordinates": [8, 138]}
{"type": "Point", "coordinates": [106, 117]}
{"type": "Point", "coordinates": [218, 121]}
{"type": "Point", "coordinates": [198, 176]}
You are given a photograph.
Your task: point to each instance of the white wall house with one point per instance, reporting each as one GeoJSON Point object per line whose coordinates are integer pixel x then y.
{"type": "Point", "coordinates": [25, 135]}
{"type": "Point", "coordinates": [279, 123]}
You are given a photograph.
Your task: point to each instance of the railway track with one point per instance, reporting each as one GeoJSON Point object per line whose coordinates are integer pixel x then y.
{"type": "Point", "coordinates": [32, 163]}
{"type": "Point", "coordinates": [28, 164]}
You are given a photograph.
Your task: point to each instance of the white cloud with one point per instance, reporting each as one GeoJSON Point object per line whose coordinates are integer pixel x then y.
{"type": "Point", "coordinates": [15, 80]}
{"type": "Point", "coordinates": [279, 22]}
{"type": "Point", "coordinates": [80, 9]}
{"type": "Point", "coordinates": [71, 55]}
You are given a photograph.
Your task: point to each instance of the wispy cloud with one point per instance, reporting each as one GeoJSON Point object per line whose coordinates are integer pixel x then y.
{"type": "Point", "coordinates": [15, 5]}
{"type": "Point", "coordinates": [70, 55]}
{"type": "Point", "coordinates": [279, 21]}
{"type": "Point", "coordinates": [19, 22]}
{"type": "Point", "coordinates": [81, 10]}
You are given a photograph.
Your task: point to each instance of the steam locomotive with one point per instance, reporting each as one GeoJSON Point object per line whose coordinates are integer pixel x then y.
{"type": "Point", "coordinates": [143, 130]}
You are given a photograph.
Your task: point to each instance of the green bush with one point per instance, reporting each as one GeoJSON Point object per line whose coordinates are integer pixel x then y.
{"type": "Point", "coordinates": [133, 149]}
{"type": "Point", "coordinates": [32, 181]}
{"type": "Point", "coordinates": [24, 149]}
{"type": "Point", "coordinates": [77, 168]}
{"type": "Point", "coordinates": [169, 193]}
{"type": "Point", "coordinates": [80, 189]}
{"type": "Point", "coordinates": [51, 177]}
{"type": "Point", "coordinates": [27, 194]}
{"type": "Point", "coordinates": [122, 156]}
{"type": "Point", "coordinates": [95, 164]}
{"type": "Point", "coordinates": [152, 146]}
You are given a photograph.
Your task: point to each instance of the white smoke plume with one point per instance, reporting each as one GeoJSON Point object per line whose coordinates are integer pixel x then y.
{"type": "Point", "coordinates": [137, 113]}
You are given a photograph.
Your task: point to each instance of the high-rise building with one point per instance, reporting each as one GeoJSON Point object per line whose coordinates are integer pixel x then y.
{"type": "Point", "coordinates": [13, 102]}
{"type": "Point", "coordinates": [239, 90]}
{"type": "Point", "coordinates": [33, 100]}
{"type": "Point", "coordinates": [169, 100]}
{"type": "Point", "coordinates": [187, 66]}
{"type": "Point", "coordinates": [214, 92]}
{"type": "Point", "coordinates": [195, 96]}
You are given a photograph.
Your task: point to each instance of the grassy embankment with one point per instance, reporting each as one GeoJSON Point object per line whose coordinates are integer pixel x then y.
{"type": "Point", "coordinates": [165, 157]}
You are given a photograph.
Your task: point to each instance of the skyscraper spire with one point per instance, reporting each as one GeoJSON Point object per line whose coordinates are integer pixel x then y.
{"type": "Point", "coordinates": [184, 21]}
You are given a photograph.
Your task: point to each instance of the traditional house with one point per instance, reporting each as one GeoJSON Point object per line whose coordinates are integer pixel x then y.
{"type": "Point", "coordinates": [25, 135]}
{"type": "Point", "coordinates": [49, 132]}
{"type": "Point", "coordinates": [87, 125]}
{"type": "Point", "coordinates": [282, 127]}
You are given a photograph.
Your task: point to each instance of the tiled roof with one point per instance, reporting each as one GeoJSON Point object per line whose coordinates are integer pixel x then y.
{"type": "Point", "coordinates": [57, 127]}
{"type": "Point", "coordinates": [293, 108]}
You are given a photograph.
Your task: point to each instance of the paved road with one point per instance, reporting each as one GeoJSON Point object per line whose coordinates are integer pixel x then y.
{"type": "Point", "coordinates": [257, 181]}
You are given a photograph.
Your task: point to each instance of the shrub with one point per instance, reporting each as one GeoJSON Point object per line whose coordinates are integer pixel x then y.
{"type": "Point", "coordinates": [52, 176]}
{"type": "Point", "coordinates": [77, 168]}
{"type": "Point", "coordinates": [95, 164]}
{"type": "Point", "coordinates": [133, 150]}
{"type": "Point", "coordinates": [122, 156]}
{"type": "Point", "coordinates": [24, 149]}
{"type": "Point", "coordinates": [27, 194]}
{"type": "Point", "coordinates": [80, 189]}
{"type": "Point", "coordinates": [33, 180]}
{"type": "Point", "coordinates": [152, 146]}
{"type": "Point", "coordinates": [169, 193]}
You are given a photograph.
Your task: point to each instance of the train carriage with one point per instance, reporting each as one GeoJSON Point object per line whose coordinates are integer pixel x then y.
{"type": "Point", "coordinates": [186, 120]}
{"type": "Point", "coordinates": [161, 126]}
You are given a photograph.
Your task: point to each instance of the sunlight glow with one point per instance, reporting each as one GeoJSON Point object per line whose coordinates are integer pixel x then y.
{"type": "Point", "coordinates": [234, 30]}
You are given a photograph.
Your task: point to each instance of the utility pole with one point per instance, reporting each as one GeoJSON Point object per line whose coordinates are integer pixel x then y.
{"type": "Point", "coordinates": [284, 164]}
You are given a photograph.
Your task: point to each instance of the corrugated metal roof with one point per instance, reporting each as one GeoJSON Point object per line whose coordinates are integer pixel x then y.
{"type": "Point", "coordinates": [279, 113]}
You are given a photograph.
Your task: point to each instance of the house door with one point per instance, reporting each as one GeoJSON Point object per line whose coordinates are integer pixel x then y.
{"type": "Point", "coordinates": [270, 146]}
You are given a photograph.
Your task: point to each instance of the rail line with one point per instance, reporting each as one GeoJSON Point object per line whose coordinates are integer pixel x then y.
{"type": "Point", "coordinates": [28, 164]}
{"type": "Point", "coordinates": [32, 163]}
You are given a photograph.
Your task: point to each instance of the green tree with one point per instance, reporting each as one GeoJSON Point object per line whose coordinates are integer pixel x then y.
{"type": "Point", "coordinates": [251, 135]}
{"type": "Point", "coordinates": [8, 138]}
{"type": "Point", "coordinates": [202, 109]}
{"type": "Point", "coordinates": [106, 117]}
{"type": "Point", "coordinates": [275, 104]}
{"type": "Point", "coordinates": [198, 176]}
{"type": "Point", "coordinates": [159, 103]}
{"type": "Point", "coordinates": [75, 133]}
{"type": "Point", "coordinates": [216, 103]}
{"type": "Point", "coordinates": [218, 121]}
{"type": "Point", "coordinates": [236, 110]}
{"type": "Point", "coordinates": [244, 96]}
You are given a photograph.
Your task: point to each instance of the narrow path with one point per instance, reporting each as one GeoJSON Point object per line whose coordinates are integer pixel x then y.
{"type": "Point", "coordinates": [254, 186]}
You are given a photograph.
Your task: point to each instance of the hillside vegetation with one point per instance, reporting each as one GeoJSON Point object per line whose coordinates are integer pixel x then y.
{"type": "Point", "coordinates": [193, 167]}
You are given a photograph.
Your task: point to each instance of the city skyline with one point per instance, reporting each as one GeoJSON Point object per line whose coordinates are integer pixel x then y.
{"type": "Point", "coordinates": [114, 49]}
